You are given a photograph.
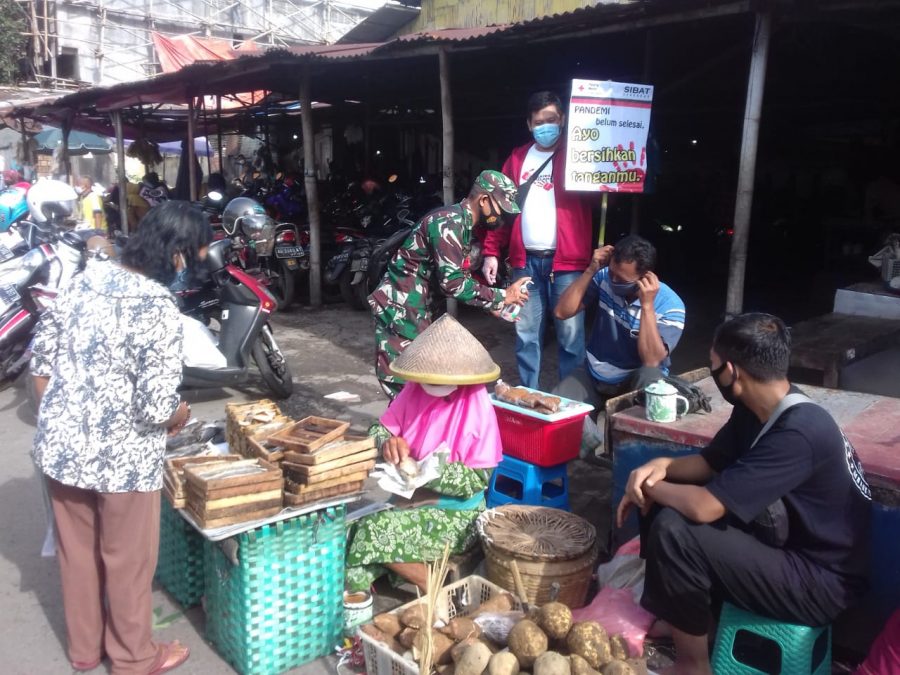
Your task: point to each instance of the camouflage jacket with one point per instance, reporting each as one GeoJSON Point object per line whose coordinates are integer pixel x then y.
{"type": "Point", "coordinates": [433, 252]}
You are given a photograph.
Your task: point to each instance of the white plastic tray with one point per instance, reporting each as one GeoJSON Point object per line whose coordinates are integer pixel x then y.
{"type": "Point", "coordinates": [567, 407]}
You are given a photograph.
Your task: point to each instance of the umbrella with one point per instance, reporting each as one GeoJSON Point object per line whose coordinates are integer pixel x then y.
{"type": "Point", "coordinates": [80, 142]}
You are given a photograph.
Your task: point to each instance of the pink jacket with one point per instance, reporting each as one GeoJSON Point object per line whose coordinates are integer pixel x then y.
{"type": "Point", "coordinates": [574, 229]}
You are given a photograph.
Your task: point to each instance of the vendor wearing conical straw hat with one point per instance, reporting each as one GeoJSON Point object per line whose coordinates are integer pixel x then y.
{"type": "Point", "coordinates": [444, 407]}
{"type": "Point", "coordinates": [435, 254]}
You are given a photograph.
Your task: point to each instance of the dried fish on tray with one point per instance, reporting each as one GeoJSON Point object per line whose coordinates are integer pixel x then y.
{"type": "Point", "coordinates": [258, 419]}
{"type": "Point", "coordinates": [346, 446]}
{"type": "Point", "coordinates": [265, 448]}
{"type": "Point", "coordinates": [237, 491]}
{"type": "Point", "coordinates": [173, 475]}
{"type": "Point", "coordinates": [244, 472]}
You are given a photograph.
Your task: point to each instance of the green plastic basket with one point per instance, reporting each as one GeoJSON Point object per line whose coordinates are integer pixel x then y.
{"type": "Point", "coordinates": [180, 566]}
{"type": "Point", "coordinates": [282, 605]}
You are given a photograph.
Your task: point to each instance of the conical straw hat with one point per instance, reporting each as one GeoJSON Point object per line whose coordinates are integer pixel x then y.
{"type": "Point", "coordinates": [446, 353]}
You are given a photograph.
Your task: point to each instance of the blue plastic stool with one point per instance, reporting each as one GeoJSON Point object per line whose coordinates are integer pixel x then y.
{"type": "Point", "coordinates": [804, 650]}
{"type": "Point", "coordinates": [516, 481]}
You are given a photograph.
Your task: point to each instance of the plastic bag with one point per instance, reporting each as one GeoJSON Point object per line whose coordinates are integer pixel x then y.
{"type": "Point", "coordinates": [616, 607]}
{"type": "Point", "coordinates": [625, 570]}
{"type": "Point", "coordinates": [495, 626]}
{"type": "Point", "coordinates": [200, 349]}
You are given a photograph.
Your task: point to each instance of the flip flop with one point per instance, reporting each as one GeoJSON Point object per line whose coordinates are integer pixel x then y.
{"type": "Point", "coordinates": [166, 653]}
{"type": "Point", "coordinates": [85, 665]}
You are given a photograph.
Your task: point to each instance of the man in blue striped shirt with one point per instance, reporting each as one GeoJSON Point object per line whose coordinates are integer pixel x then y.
{"type": "Point", "coordinates": [639, 321]}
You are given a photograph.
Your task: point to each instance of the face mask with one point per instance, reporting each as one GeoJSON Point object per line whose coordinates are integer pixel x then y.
{"type": "Point", "coordinates": [496, 217]}
{"type": "Point", "coordinates": [546, 135]}
{"type": "Point", "coordinates": [439, 390]}
{"type": "Point", "coordinates": [727, 391]}
{"type": "Point", "coordinates": [180, 283]}
{"type": "Point", "coordinates": [623, 290]}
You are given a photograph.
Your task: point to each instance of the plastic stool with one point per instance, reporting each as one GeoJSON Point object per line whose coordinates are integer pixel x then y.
{"type": "Point", "coordinates": [804, 650]}
{"type": "Point", "coordinates": [515, 481]}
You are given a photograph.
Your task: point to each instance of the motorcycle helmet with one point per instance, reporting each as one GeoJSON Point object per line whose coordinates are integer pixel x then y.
{"type": "Point", "coordinates": [51, 201]}
{"type": "Point", "coordinates": [250, 217]}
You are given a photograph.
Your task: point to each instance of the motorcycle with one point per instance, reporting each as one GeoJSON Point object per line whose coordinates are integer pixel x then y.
{"type": "Point", "coordinates": [241, 305]}
{"type": "Point", "coordinates": [268, 250]}
{"type": "Point", "coordinates": [349, 267]}
{"type": "Point", "coordinates": [29, 285]}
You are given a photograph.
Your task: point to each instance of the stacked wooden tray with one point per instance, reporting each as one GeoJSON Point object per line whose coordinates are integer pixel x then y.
{"type": "Point", "coordinates": [234, 491]}
{"type": "Point", "coordinates": [249, 425]}
{"type": "Point", "coordinates": [173, 475]}
{"type": "Point", "coordinates": [321, 461]}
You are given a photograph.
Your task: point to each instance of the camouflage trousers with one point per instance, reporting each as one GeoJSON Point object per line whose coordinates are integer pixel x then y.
{"type": "Point", "coordinates": [388, 346]}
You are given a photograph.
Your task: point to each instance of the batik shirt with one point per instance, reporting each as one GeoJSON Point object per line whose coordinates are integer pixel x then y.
{"type": "Point", "coordinates": [433, 253]}
{"type": "Point", "coordinates": [111, 346]}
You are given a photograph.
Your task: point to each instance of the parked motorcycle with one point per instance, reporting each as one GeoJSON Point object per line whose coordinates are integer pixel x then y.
{"type": "Point", "coordinates": [241, 305]}
{"type": "Point", "coordinates": [268, 250]}
{"type": "Point", "coordinates": [29, 285]}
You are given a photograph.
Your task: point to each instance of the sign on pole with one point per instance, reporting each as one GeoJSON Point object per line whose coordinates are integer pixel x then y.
{"type": "Point", "coordinates": [607, 136]}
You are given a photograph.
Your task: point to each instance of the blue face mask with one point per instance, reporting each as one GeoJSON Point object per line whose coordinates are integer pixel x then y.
{"type": "Point", "coordinates": [180, 282]}
{"type": "Point", "coordinates": [545, 135]}
{"type": "Point", "coordinates": [623, 289]}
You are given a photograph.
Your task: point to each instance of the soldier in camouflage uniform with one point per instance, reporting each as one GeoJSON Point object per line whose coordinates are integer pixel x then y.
{"type": "Point", "coordinates": [434, 253]}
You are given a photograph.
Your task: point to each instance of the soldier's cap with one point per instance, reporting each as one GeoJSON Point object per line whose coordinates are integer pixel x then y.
{"type": "Point", "coordinates": [446, 353]}
{"type": "Point", "coordinates": [501, 188]}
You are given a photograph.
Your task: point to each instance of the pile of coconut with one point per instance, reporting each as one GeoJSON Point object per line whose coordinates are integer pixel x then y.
{"type": "Point", "coordinates": [497, 640]}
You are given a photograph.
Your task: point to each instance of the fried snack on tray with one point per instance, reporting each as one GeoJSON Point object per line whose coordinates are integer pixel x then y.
{"type": "Point", "coordinates": [526, 399]}
{"type": "Point", "coordinates": [548, 404]}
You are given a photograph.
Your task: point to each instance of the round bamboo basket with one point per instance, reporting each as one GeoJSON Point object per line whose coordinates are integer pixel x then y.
{"type": "Point", "coordinates": [550, 547]}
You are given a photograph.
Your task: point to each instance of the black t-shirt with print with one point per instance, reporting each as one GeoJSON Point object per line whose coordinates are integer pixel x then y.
{"type": "Point", "coordinates": [805, 460]}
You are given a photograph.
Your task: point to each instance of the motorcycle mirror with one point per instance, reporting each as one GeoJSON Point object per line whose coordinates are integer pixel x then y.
{"type": "Point", "coordinates": [215, 196]}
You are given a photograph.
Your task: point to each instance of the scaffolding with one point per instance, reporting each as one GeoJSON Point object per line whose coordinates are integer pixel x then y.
{"type": "Point", "coordinates": [74, 43]}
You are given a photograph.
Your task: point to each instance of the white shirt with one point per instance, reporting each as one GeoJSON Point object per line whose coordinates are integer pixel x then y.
{"type": "Point", "coordinates": [539, 212]}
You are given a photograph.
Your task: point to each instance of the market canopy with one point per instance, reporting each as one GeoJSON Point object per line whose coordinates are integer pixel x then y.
{"type": "Point", "coordinates": [80, 142]}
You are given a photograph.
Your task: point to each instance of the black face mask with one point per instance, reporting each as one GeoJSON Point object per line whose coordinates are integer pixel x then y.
{"type": "Point", "coordinates": [727, 391]}
{"type": "Point", "coordinates": [496, 218]}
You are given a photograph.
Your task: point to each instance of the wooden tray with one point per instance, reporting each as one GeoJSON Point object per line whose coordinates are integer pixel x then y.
{"type": "Point", "coordinates": [211, 523]}
{"type": "Point", "coordinates": [234, 505]}
{"type": "Point", "coordinates": [173, 476]}
{"type": "Point", "coordinates": [236, 490]}
{"type": "Point", "coordinates": [314, 469]}
{"type": "Point", "coordinates": [310, 433]}
{"type": "Point", "coordinates": [296, 488]}
{"type": "Point", "coordinates": [318, 495]}
{"type": "Point", "coordinates": [199, 476]}
{"type": "Point", "coordinates": [347, 445]}
{"type": "Point", "coordinates": [257, 447]}
{"type": "Point", "coordinates": [300, 475]}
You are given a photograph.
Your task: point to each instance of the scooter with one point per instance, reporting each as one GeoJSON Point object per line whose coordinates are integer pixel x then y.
{"type": "Point", "coordinates": [242, 307]}
{"type": "Point", "coordinates": [29, 285]}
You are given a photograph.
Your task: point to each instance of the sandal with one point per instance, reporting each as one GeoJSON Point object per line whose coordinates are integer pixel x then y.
{"type": "Point", "coordinates": [85, 665]}
{"type": "Point", "coordinates": [171, 655]}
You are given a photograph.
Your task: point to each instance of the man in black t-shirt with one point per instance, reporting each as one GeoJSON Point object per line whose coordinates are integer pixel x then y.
{"type": "Point", "coordinates": [707, 541]}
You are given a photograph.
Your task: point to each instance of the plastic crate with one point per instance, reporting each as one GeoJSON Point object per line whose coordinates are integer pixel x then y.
{"type": "Point", "coordinates": [179, 568]}
{"type": "Point", "coordinates": [457, 599]}
{"type": "Point", "coordinates": [282, 605]}
{"type": "Point", "coordinates": [539, 442]}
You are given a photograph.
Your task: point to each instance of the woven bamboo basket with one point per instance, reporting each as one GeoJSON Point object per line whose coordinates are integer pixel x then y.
{"type": "Point", "coordinates": [551, 548]}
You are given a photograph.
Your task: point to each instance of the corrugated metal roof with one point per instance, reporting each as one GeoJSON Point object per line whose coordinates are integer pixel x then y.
{"type": "Point", "coordinates": [380, 24]}
{"type": "Point", "coordinates": [274, 69]}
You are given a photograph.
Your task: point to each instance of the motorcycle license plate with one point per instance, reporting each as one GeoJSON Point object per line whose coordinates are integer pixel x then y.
{"type": "Point", "coordinates": [291, 263]}
{"type": "Point", "coordinates": [288, 251]}
{"type": "Point", "coordinates": [5, 253]}
{"type": "Point", "coordinates": [8, 296]}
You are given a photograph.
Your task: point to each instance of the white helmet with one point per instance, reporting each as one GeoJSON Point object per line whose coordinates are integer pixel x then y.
{"type": "Point", "coordinates": [51, 200]}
